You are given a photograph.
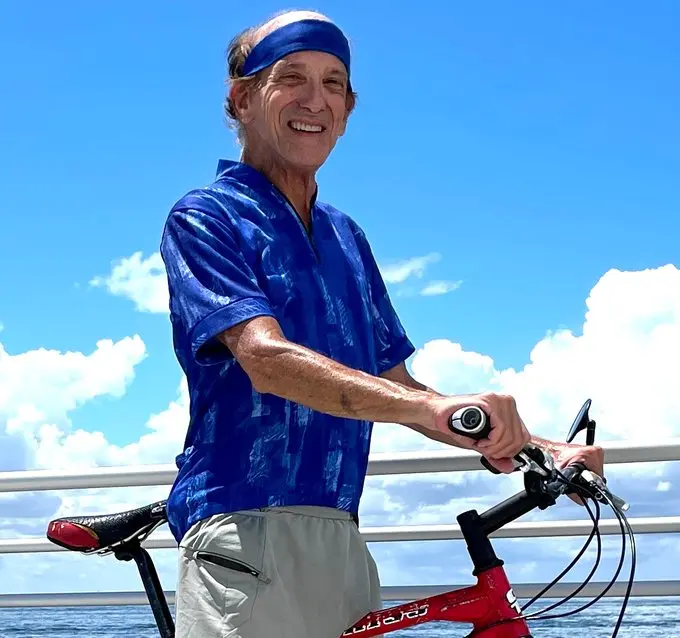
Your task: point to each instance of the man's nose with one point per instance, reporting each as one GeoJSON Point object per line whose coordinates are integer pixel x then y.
{"type": "Point", "coordinates": [312, 96]}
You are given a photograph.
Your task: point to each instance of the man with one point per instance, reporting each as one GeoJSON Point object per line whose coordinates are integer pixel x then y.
{"type": "Point", "coordinates": [292, 350]}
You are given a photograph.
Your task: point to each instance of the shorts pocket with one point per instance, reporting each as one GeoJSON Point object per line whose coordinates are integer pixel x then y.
{"type": "Point", "coordinates": [232, 564]}
{"type": "Point", "coordinates": [224, 557]}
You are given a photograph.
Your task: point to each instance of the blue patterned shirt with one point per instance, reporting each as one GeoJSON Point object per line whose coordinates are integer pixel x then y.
{"type": "Point", "coordinates": [235, 250]}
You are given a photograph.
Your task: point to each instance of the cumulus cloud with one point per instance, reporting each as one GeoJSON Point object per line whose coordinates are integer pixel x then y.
{"type": "Point", "coordinates": [144, 281]}
{"type": "Point", "coordinates": [398, 272]}
{"type": "Point", "coordinates": [40, 388]}
{"type": "Point", "coordinates": [42, 385]}
{"type": "Point", "coordinates": [435, 288]}
{"type": "Point", "coordinates": [141, 280]}
{"type": "Point", "coordinates": [624, 357]}
{"type": "Point", "coordinates": [39, 391]}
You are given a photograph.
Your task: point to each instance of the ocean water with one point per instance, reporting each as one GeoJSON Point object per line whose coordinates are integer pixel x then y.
{"type": "Point", "coordinates": [645, 618]}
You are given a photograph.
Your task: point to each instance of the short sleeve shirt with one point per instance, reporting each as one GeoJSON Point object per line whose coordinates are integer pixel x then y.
{"type": "Point", "coordinates": [235, 250]}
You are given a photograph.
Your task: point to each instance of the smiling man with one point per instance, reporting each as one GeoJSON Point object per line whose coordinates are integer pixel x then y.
{"type": "Point", "coordinates": [292, 350]}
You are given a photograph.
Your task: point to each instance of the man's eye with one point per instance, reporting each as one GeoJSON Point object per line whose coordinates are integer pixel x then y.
{"type": "Point", "coordinates": [290, 77]}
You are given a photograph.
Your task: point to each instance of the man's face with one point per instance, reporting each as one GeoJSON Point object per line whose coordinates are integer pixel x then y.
{"type": "Point", "coordinates": [300, 109]}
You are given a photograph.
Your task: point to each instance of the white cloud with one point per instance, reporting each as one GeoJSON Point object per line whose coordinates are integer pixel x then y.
{"type": "Point", "coordinates": [46, 384]}
{"type": "Point", "coordinates": [628, 347]}
{"type": "Point", "coordinates": [38, 392]}
{"type": "Point", "coordinates": [440, 288]}
{"type": "Point", "coordinates": [400, 271]}
{"type": "Point", "coordinates": [624, 358]}
{"type": "Point", "coordinates": [142, 280]}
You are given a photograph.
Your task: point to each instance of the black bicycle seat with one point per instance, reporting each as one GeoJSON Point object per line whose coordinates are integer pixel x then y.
{"type": "Point", "coordinates": [96, 533]}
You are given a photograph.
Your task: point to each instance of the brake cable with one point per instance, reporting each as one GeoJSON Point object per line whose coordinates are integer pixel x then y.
{"type": "Point", "coordinates": [633, 563]}
{"type": "Point", "coordinates": [595, 532]}
{"type": "Point", "coordinates": [539, 615]}
{"type": "Point", "coordinates": [624, 533]}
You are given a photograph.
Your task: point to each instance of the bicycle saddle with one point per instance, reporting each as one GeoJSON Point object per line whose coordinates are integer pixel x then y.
{"type": "Point", "coordinates": [103, 532]}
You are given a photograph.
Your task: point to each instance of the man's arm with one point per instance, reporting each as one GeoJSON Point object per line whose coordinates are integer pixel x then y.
{"type": "Point", "coordinates": [400, 374]}
{"type": "Point", "coordinates": [291, 371]}
{"type": "Point", "coordinates": [294, 372]}
{"type": "Point", "coordinates": [592, 456]}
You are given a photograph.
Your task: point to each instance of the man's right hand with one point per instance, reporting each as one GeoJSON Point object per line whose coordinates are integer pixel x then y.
{"type": "Point", "coordinates": [508, 433]}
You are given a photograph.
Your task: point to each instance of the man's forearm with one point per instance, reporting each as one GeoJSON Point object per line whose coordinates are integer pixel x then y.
{"type": "Point", "coordinates": [402, 377]}
{"type": "Point", "coordinates": [299, 374]}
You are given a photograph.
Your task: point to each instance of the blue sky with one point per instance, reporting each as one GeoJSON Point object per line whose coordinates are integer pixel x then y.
{"type": "Point", "coordinates": [519, 152]}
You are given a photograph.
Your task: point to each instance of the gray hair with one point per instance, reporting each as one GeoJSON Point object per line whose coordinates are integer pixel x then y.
{"type": "Point", "coordinates": [242, 44]}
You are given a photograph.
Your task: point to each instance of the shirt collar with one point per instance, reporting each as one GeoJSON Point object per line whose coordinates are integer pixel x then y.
{"type": "Point", "coordinates": [252, 177]}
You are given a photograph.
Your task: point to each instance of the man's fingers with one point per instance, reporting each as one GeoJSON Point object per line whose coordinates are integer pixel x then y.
{"type": "Point", "coordinates": [508, 444]}
{"type": "Point", "coordinates": [499, 438]}
{"type": "Point", "coordinates": [508, 434]}
{"type": "Point", "coordinates": [511, 449]}
{"type": "Point", "coordinates": [502, 465]}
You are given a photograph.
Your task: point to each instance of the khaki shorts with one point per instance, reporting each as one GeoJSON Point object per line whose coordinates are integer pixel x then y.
{"type": "Point", "coordinates": [285, 572]}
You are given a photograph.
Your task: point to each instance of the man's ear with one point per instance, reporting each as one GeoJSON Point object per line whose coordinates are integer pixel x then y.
{"type": "Point", "coordinates": [350, 102]}
{"type": "Point", "coordinates": [241, 98]}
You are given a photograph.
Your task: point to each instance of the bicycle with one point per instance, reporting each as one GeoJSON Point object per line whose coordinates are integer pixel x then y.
{"type": "Point", "coordinates": [490, 605]}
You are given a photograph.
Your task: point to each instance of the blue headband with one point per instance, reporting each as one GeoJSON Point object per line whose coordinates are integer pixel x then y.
{"type": "Point", "coordinates": [303, 35]}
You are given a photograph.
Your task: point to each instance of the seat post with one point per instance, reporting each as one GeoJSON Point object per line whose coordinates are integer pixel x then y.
{"type": "Point", "coordinates": [152, 585]}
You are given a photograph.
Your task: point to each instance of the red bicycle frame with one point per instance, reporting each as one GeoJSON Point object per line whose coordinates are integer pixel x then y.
{"type": "Point", "coordinates": [485, 604]}
{"type": "Point", "coordinates": [490, 605]}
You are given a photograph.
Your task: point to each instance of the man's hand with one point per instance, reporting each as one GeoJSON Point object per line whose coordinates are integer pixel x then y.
{"type": "Point", "coordinates": [592, 456]}
{"type": "Point", "coordinates": [508, 433]}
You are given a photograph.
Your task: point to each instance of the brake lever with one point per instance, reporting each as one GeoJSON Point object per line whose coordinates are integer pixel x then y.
{"type": "Point", "coordinates": [536, 460]}
{"type": "Point", "coordinates": [473, 422]}
{"type": "Point", "coordinates": [529, 459]}
{"type": "Point", "coordinates": [596, 481]}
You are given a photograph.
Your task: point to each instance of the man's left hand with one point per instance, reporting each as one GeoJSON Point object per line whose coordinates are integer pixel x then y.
{"type": "Point", "coordinates": [592, 456]}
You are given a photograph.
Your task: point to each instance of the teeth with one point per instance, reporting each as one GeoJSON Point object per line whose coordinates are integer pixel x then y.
{"type": "Point", "coordinates": [310, 128]}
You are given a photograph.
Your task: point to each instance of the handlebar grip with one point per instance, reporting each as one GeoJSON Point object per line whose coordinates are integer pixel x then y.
{"type": "Point", "coordinates": [470, 421]}
{"type": "Point", "coordinates": [572, 470]}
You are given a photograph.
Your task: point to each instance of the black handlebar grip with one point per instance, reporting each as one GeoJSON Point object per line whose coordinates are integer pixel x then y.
{"type": "Point", "coordinates": [474, 423]}
{"type": "Point", "coordinates": [470, 421]}
{"type": "Point", "coordinates": [572, 470]}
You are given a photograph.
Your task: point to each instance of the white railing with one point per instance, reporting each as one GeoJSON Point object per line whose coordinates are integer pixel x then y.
{"type": "Point", "coordinates": [454, 460]}
{"type": "Point", "coordinates": [379, 464]}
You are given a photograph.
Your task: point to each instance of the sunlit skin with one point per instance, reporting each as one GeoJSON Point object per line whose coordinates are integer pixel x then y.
{"type": "Point", "coordinates": [308, 88]}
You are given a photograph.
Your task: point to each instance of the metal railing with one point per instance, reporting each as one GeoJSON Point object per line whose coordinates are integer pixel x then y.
{"type": "Point", "coordinates": [453, 460]}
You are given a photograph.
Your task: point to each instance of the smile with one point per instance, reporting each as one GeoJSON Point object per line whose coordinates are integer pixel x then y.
{"type": "Point", "coordinates": [306, 128]}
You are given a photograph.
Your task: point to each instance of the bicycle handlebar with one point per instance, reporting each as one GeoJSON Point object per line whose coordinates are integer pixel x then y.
{"type": "Point", "coordinates": [547, 483]}
{"type": "Point", "coordinates": [472, 422]}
